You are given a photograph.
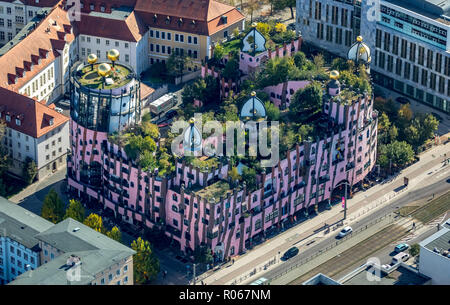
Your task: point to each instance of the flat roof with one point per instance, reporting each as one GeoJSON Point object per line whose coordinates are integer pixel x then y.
{"type": "Point", "coordinates": [400, 276]}
{"type": "Point", "coordinates": [438, 10]}
{"type": "Point", "coordinates": [162, 100]}
{"type": "Point", "coordinates": [90, 78]}
{"type": "Point", "coordinates": [439, 240]}
{"type": "Point", "coordinates": [120, 13]}
{"type": "Point", "coordinates": [20, 224]}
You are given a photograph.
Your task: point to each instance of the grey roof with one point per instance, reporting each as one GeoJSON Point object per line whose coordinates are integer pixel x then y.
{"type": "Point", "coordinates": [20, 224]}
{"type": "Point", "coordinates": [95, 250]}
{"type": "Point", "coordinates": [320, 279]}
{"type": "Point", "coordinates": [57, 272]}
{"type": "Point", "coordinates": [120, 13]}
{"type": "Point", "coordinates": [434, 9]}
{"type": "Point", "coordinates": [70, 235]}
{"type": "Point", "coordinates": [439, 240]}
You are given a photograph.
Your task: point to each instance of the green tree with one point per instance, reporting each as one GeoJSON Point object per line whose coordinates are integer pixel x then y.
{"type": "Point", "coordinates": [384, 125]}
{"type": "Point", "coordinates": [29, 170]}
{"type": "Point", "coordinates": [234, 174]}
{"type": "Point", "coordinates": [145, 262]}
{"type": "Point", "coordinates": [203, 254]}
{"type": "Point", "coordinates": [5, 158]}
{"type": "Point", "coordinates": [115, 234]}
{"type": "Point", "coordinates": [219, 52]}
{"type": "Point", "coordinates": [306, 101]}
{"type": "Point", "coordinates": [231, 70]}
{"type": "Point", "coordinates": [53, 207]}
{"type": "Point", "coordinates": [399, 153]}
{"type": "Point", "coordinates": [414, 250]}
{"type": "Point", "coordinates": [404, 116]}
{"type": "Point", "coordinates": [249, 176]}
{"type": "Point", "coordinates": [95, 222]}
{"type": "Point", "coordinates": [393, 133]}
{"type": "Point", "coordinates": [75, 210]}
{"type": "Point", "coordinates": [272, 111]}
{"type": "Point", "coordinates": [300, 60]}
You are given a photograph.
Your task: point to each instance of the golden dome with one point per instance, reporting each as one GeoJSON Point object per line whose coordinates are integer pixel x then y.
{"type": "Point", "coordinates": [92, 59]}
{"type": "Point", "coordinates": [334, 74]}
{"type": "Point", "coordinates": [104, 69]}
{"type": "Point", "coordinates": [359, 39]}
{"type": "Point", "coordinates": [253, 93]}
{"type": "Point", "coordinates": [192, 121]}
{"type": "Point", "coordinates": [113, 55]}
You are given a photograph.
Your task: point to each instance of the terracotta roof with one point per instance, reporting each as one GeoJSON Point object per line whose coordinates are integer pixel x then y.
{"type": "Point", "coordinates": [35, 117]}
{"type": "Point", "coordinates": [193, 16]}
{"type": "Point", "coordinates": [131, 29]}
{"type": "Point", "coordinates": [39, 48]}
{"type": "Point", "coordinates": [146, 91]}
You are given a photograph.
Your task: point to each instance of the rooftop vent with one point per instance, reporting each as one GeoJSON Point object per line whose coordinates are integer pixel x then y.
{"type": "Point", "coordinates": [76, 229]}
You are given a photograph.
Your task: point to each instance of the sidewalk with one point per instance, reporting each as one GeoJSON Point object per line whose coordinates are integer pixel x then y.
{"type": "Point", "coordinates": [361, 205]}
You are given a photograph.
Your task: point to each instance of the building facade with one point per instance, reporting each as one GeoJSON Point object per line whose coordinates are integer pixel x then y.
{"type": "Point", "coordinates": [329, 24]}
{"type": "Point", "coordinates": [181, 203]}
{"type": "Point", "coordinates": [14, 15]}
{"type": "Point", "coordinates": [411, 44]}
{"type": "Point", "coordinates": [435, 256]}
{"type": "Point", "coordinates": [409, 41]}
{"type": "Point", "coordinates": [33, 130]}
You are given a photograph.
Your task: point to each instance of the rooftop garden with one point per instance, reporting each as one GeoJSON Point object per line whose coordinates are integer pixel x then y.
{"type": "Point", "coordinates": [88, 76]}
{"type": "Point", "coordinates": [214, 191]}
{"type": "Point", "coordinates": [203, 163]}
{"type": "Point", "coordinates": [140, 145]}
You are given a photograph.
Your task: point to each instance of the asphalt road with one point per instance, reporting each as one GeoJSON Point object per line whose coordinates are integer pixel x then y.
{"type": "Point", "coordinates": [437, 186]}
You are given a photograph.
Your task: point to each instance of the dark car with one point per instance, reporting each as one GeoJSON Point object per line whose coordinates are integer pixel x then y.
{"type": "Point", "coordinates": [171, 113]}
{"type": "Point", "coordinates": [402, 100]}
{"type": "Point", "coordinates": [290, 253]}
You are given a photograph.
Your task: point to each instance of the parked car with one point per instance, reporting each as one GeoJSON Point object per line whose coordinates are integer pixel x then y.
{"type": "Point", "coordinates": [290, 253]}
{"type": "Point", "coordinates": [401, 247]}
{"type": "Point", "coordinates": [401, 257]}
{"type": "Point", "coordinates": [345, 231]}
{"type": "Point", "coordinates": [402, 100]}
{"type": "Point", "coordinates": [171, 113]}
{"type": "Point", "coordinates": [60, 110]}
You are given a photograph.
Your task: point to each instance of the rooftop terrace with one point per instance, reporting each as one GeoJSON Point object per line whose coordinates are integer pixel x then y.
{"type": "Point", "coordinates": [88, 76]}
{"type": "Point", "coordinates": [214, 191]}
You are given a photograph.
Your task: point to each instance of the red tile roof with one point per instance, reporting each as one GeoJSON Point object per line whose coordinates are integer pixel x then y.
{"type": "Point", "coordinates": [131, 29]}
{"type": "Point", "coordinates": [39, 48]}
{"type": "Point", "coordinates": [193, 16]}
{"type": "Point", "coordinates": [42, 3]}
{"type": "Point", "coordinates": [35, 117]}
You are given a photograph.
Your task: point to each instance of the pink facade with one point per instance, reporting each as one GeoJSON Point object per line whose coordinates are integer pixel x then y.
{"type": "Point", "coordinates": [289, 88]}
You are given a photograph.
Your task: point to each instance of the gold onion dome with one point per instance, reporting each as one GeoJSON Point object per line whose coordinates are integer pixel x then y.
{"type": "Point", "coordinates": [92, 59]}
{"type": "Point", "coordinates": [113, 55]}
{"type": "Point", "coordinates": [359, 39]}
{"type": "Point", "coordinates": [104, 69]}
{"type": "Point", "coordinates": [334, 74]}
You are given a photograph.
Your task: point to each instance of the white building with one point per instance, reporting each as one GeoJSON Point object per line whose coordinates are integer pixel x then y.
{"type": "Point", "coordinates": [33, 130]}
{"type": "Point", "coordinates": [121, 29]}
{"type": "Point", "coordinates": [435, 256]}
{"type": "Point", "coordinates": [37, 65]}
{"type": "Point", "coordinates": [19, 249]}
{"type": "Point", "coordinates": [14, 15]}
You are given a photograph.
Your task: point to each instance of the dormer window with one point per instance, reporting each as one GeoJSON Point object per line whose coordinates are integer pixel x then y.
{"type": "Point", "coordinates": [180, 21]}
{"type": "Point", "coordinates": [168, 20]}
{"type": "Point", "coordinates": [224, 19]}
{"type": "Point", "coordinates": [155, 18]}
{"type": "Point", "coordinates": [18, 122]}
{"type": "Point", "coordinates": [51, 122]}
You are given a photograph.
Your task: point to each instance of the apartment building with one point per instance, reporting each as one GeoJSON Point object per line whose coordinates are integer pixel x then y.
{"type": "Point", "coordinates": [14, 15]}
{"type": "Point", "coordinates": [332, 25]}
{"type": "Point", "coordinates": [411, 45]}
{"type": "Point", "coordinates": [19, 249]}
{"type": "Point", "coordinates": [34, 251]}
{"type": "Point", "coordinates": [187, 28]}
{"type": "Point", "coordinates": [33, 130]}
{"type": "Point", "coordinates": [38, 64]}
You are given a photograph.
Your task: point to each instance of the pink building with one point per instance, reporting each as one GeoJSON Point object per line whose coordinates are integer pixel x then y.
{"type": "Point", "coordinates": [196, 206]}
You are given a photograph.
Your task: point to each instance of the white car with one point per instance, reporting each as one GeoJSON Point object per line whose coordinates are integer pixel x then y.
{"type": "Point", "coordinates": [60, 110]}
{"type": "Point", "coordinates": [345, 231]}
